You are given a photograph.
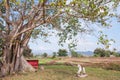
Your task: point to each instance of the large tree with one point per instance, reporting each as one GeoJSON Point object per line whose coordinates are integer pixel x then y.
{"type": "Point", "coordinates": [20, 18]}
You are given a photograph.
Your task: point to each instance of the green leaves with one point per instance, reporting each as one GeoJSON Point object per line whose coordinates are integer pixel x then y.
{"type": "Point", "coordinates": [99, 52]}
{"type": "Point", "coordinates": [68, 21]}
{"type": "Point", "coordinates": [86, 2]}
{"type": "Point", "coordinates": [13, 1]}
{"type": "Point", "coordinates": [2, 8]}
{"type": "Point", "coordinates": [62, 52]}
{"type": "Point", "coordinates": [41, 1]}
{"type": "Point", "coordinates": [35, 33]}
{"type": "Point", "coordinates": [52, 4]}
{"type": "Point", "coordinates": [103, 39]}
{"type": "Point", "coordinates": [92, 5]}
{"type": "Point", "coordinates": [17, 2]}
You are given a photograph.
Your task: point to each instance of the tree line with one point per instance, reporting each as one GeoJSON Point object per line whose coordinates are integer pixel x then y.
{"type": "Point", "coordinates": [98, 52]}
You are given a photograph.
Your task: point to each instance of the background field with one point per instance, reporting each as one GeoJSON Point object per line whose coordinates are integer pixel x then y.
{"type": "Point", "coordinates": [65, 69]}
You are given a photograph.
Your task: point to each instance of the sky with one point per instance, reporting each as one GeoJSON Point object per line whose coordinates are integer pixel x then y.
{"type": "Point", "coordinates": [85, 43]}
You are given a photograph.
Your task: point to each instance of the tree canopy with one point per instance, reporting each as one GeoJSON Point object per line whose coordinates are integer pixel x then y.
{"type": "Point", "coordinates": [19, 19]}
{"type": "Point", "coordinates": [63, 15]}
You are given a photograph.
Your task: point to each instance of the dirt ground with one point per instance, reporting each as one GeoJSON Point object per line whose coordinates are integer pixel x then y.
{"type": "Point", "coordinates": [90, 60]}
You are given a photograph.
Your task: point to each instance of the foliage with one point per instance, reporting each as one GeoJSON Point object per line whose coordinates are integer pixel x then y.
{"type": "Point", "coordinates": [103, 39]}
{"type": "Point", "coordinates": [1, 39]}
{"type": "Point", "coordinates": [23, 18]}
{"type": "Point", "coordinates": [44, 55]}
{"type": "Point", "coordinates": [54, 55]}
{"type": "Point", "coordinates": [117, 54]}
{"type": "Point", "coordinates": [62, 52]}
{"type": "Point", "coordinates": [74, 54]}
{"type": "Point", "coordinates": [99, 52]}
{"type": "Point", "coordinates": [64, 16]}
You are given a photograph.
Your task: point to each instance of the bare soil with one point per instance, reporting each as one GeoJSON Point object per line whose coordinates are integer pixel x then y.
{"type": "Point", "coordinates": [91, 60]}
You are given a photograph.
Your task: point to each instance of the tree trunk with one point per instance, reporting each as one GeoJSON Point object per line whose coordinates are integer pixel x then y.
{"type": "Point", "coordinates": [13, 61]}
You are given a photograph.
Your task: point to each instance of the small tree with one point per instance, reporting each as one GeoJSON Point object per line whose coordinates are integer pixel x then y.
{"type": "Point", "coordinates": [44, 55]}
{"type": "Point", "coordinates": [74, 54]}
{"type": "Point", "coordinates": [54, 55]}
{"type": "Point", "coordinates": [101, 52]}
{"type": "Point", "coordinates": [62, 52]}
{"type": "Point", "coordinates": [117, 54]}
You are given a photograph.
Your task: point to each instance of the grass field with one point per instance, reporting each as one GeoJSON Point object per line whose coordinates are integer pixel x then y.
{"type": "Point", "coordinates": [64, 72]}
{"type": "Point", "coordinates": [61, 69]}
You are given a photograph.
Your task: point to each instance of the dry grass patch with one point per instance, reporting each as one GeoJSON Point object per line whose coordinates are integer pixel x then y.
{"type": "Point", "coordinates": [63, 72]}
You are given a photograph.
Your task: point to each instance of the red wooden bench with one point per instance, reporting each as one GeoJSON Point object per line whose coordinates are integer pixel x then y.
{"type": "Point", "coordinates": [34, 63]}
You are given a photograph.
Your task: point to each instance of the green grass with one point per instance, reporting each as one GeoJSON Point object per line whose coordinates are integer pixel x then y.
{"type": "Point", "coordinates": [48, 60]}
{"type": "Point", "coordinates": [63, 72]}
{"type": "Point", "coordinates": [44, 60]}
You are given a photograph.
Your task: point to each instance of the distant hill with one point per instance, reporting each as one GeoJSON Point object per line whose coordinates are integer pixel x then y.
{"type": "Point", "coordinates": [39, 52]}
{"type": "Point", "coordinates": [118, 51]}
{"type": "Point", "coordinates": [50, 52]}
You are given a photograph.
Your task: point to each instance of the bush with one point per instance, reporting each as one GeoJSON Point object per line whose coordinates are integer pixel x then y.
{"type": "Point", "coordinates": [80, 55]}
{"type": "Point", "coordinates": [98, 52]}
{"type": "Point", "coordinates": [44, 54]}
{"type": "Point", "coordinates": [62, 52]}
{"type": "Point", "coordinates": [117, 54]}
{"type": "Point", "coordinates": [74, 54]}
{"type": "Point", "coordinates": [101, 53]}
{"type": "Point", "coordinates": [54, 55]}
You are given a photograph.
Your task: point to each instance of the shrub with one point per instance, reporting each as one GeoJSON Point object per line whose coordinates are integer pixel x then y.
{"type": "Point", "coordinates": [74, 54]}
{"type": "Point", "coordinates": [54, 55]}
{"type": "Point", "coordinates": [117, 54]}
{"type": "Point", "coordinates": [62, 52]}
{"type": "Point", "coordinates": [101, 52]}
{"type": "Point", "coordinates": [44, 54]}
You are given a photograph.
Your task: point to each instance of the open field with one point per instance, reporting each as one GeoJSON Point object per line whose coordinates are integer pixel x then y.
{"type": "Point", "coordinates": [109, 63]}
{"type": "Point", "coordinates": [91, 60]}
{"type": "Point", "coordinates": [65, 69]}
{"type": "Point", "coordinates": [62, 72]}
{"type": "Point", "coordinates": [95, 59]}
{"type": "Point", "coordinates": [86, 61]}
